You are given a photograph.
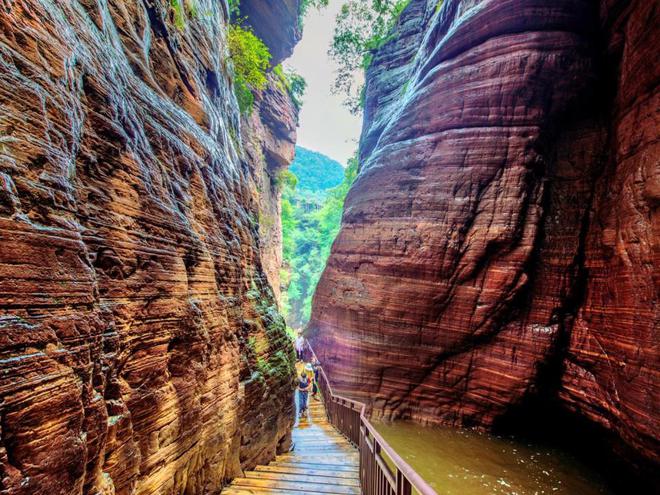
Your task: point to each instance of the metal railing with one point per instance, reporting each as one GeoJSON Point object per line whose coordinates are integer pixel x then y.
{"type": "Point", "coordinates": [382, 470]}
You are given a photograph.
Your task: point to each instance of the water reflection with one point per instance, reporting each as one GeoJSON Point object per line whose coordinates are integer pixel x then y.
{"type": "Point", "coordinates": [459, 462]}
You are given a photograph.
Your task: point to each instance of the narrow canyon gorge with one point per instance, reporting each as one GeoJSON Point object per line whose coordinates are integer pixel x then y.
{"type": "Point", "coordinates": [140, 344]}
{"type": "Point", "coordinates": [496, 267]}
{"type": "Point", "coordinates": [499, 255]}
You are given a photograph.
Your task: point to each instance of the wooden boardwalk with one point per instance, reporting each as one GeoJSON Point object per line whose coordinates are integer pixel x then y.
{"type": "Point", "coordinates": [322, 462]}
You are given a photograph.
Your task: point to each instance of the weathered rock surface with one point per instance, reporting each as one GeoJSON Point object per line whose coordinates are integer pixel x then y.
{"type": "Point", "coordinates": [275, 22]}
{"type": "Point", "coordinates": [502, 239]}
{"type": "Point", "coordinates": [140, 347]}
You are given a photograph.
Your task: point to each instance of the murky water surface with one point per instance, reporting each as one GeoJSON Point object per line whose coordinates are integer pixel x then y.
{"type": "Point", "coordinates": [456, 462]}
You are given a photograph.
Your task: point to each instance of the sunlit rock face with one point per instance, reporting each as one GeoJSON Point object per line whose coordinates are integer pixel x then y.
{"type": "Point", "coordinates": [501, 240]}
{"type": "Point", "coordinates": [269, 138]}
{"type": "Point", "coordinates": [140, 348]}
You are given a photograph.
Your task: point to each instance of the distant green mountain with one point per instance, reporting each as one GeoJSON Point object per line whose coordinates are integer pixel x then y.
{"type": "Point", "coordinates": [310, 223]}
{"type": "Point", "coordinates": [315, 171]}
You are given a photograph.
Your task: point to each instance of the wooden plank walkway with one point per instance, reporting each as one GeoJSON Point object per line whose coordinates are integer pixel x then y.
{"type": "Point", "coordinates": [322, 462]}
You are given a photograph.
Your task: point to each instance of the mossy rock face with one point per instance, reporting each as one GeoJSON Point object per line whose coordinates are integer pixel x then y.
{"type": "Point", "coordinates": [266, 345]}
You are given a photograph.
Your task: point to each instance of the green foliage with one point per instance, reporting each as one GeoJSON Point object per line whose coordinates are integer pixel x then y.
{"type": "Point", "coordinates": [292, 83]}
{"type": "Point", "coordinates": [282, 81]}
{"type": "Point", "coordinates": [192, 8]}
{"type": "Point", "coordinates": [251, 60]}
{"type": "Point", "coordinates": [316, 171]}
{"type": "Point", "coordinates": [310, 223]}
{"type": "Point", "coordinates": [291, 333]}
{"type": "Point", "coordinates": [179, 10]}
{"type": "Point", "coordinates": [244, 96]}
{"type": "Point", "coordinates": [266, 221]}
{"type": "Point", "coordinates": [305, 5]}
{"type": "Point", "coordinates": [362, 28]}
{"type": "Point", "coordinates": [286, 178]}
{"type": "Point", "coordinates": [438, 6]}
{"type": "Point", "coordinates": [297, 87]}
{"type": "Point", "coordinates": [289, 226]}
{"type": "Point", "coordinates": [179, 14]}
{"type": "Point", "coordinates": [234, 7]}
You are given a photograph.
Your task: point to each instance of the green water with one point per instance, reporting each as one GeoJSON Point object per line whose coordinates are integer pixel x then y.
{"type": "Point", "coordinates": [459, 462]}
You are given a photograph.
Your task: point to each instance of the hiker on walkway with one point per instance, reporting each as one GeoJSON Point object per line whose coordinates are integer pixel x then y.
{"type": "Point", "coordinates": [316, 366]}
{"type": "Point", "coordinates": [309, 370]}
{"type": "Point", "coordinates": [303, 390]}
{"type": "Point", "coordinates": [299, 345]}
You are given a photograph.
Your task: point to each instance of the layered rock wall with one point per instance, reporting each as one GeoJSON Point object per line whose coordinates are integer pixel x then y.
{"type": "Point", "coordinates": [140, 347]}
{"type": "Point", "coordinates": [501, 239]}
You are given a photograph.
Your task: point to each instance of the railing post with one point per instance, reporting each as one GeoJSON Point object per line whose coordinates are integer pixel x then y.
{"type": "Point", "coordinates": [402, 484]}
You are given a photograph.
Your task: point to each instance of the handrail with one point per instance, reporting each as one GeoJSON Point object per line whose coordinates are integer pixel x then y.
{"type": "Point", "coordinates": [376, 477]}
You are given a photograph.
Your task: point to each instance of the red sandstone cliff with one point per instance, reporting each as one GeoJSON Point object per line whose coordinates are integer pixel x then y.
{"type": "Point", "coordinates": [140, 346]}
{"type": "Point", "coordinates": [502, 238]}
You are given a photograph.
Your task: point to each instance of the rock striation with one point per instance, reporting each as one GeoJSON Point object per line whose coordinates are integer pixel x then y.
{"type": "Point", "coordinates": [141, 351]}
{"type": "Point", "coordinates": [500, 243]}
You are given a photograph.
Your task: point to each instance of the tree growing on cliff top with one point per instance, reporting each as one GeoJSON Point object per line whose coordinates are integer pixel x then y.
{"type": "Point", "coordinates": [305, 5]}
{"type": "Point", "coordinates": [292, 83]}
{"type": "Point", "coordinates": [251, 60]}
{"type": "Point", "coordinates": [361, 29]}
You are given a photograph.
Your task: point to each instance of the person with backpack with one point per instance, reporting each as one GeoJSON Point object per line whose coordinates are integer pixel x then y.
{"type": "Point", "coordinates": [303, 391]}
{"type": "Point", "coordinates": [316, 367]}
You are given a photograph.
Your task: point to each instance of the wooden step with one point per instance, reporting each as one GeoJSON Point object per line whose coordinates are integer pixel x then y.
{"type": "Point", "coordinates": [294, 486]}
{"type": "Point", "coordinates": [318, 433]}
{"type": "Point", "coordinates": [310, 449]}
{"type": "Point", "coordinates": [311, 471]}
{"type": "Point", "coordinates": [300, 448]}
{"type": "Point", "coordinates": [302, 478]}
{"type": "Point", "coordinates": [332, 463]}
{"type": "Point", "coordinates": [319, 436]}
{"type": "Point", "coordinates": [246, 490]}
{"type": "Point", "coordinates": [315, 465]}
{"type": "Point", "coordinates": [319, 442]}
{"type": "Point", "coordinates": [335, 459]}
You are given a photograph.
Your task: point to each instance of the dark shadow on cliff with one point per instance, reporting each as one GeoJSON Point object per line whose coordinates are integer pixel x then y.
{"type": "Point", "coordinates": [544, 422]}
{"type": "Point", "coordinates": [541, 417]}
